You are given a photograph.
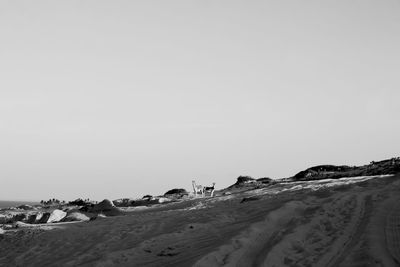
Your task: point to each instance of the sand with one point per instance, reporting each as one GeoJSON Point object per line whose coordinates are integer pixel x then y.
{"type": "Point", "coordinates": [346, 222]}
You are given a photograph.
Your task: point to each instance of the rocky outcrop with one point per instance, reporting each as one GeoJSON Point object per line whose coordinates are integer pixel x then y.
{"type": "Point", "coordinates": [56, 216]}
{"type": "Point", "coordinates": [176, 193]}
{"type": "Point", "coordinates": [123, 202]}
{"type": "Point", "coordinates": [245, 180]}
{"type": "Point", "coordinates": [26, 207]}
{"type": "Point", "coordinates": [388, 166]}
{"type": "Point", "coordinates": [51, 217]}
{"type": "Point", "coordinates": [35, 218]}
{"type": "Point", "coordinates": [163, 200]}
{"type": "Point", "coordinates": [248, 182]}
{"type": "Point", "coordinates": [105, 205]}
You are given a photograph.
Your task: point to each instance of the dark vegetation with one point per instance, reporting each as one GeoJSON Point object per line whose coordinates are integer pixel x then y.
{"type": "Point", "coordinates": [81, 202]}
{"type": "Point", "coordinates": [248, 181]}
{"type": "Point", "coordinates": [388, 166]}
{"type": "Point", "coordinates": [51, 202]}
{"type": "Point", "coordinates": [176, 193]}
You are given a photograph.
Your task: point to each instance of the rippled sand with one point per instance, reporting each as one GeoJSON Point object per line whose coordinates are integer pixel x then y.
{"type": "Point", "coordinates": [347, 222]}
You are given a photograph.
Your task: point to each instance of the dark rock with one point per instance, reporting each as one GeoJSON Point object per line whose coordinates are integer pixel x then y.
{"type": "Point", "coordinates": [244, 180]}
{"type": "Point", "coordinates": [105, 205]}
{"type": "Point", "coordinates": [45, 217]}
{"type": "Point", "coordinates": [177, 192]}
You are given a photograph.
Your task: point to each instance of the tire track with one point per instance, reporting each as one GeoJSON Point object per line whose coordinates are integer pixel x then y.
{"type": "Point", "coordinates": [354, 233]}
{"type": "Point", "coordinates": [392, 232]}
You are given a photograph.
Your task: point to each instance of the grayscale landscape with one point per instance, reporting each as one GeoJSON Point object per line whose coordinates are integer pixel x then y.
{"type": "Point", "coordinates": [199, 133]}
{"type": "Point", "coordinates": [324, 216]}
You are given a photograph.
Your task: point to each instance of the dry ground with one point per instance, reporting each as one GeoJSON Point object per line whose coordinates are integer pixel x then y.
{"type": "Point", "coordinates": [322, 223]}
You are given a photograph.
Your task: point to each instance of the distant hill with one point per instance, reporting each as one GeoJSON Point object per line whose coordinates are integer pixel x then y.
{"type": "Point", "coordinates": [248, 181]}
{"type": "Point", "coordinates": [388, 166]}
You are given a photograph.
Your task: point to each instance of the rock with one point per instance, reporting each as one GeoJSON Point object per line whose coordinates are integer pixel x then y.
{"type": "Point", "coordinates": [44, 218]}
{"type": "Point", "coordinates": [105, 205]}
{"type": "Point", "coordinates": [163, 200]}
{"type": "Point", "coordinates": [26, 207]}
{"type": "Point", "coordinates": [3, 219]}
{"type": "Point", "coordinates": [123, 202]}
{"type": "Point", "coordinates": [31, 218]}
{"type": "Point", "coordinates": [39, 216]}
{"type": "Point", "coordinates": [34, 218]}
{"type": "Point", "coordinates": [50, 217]}
{"type": "Point", "coordinates": [76, 216]}
{"type": "Point", "coordinates": [244, 180]}
{"type": "Point", "coordinates": [175, 191]}
{"type": "Point", "coordinates": [2, 231]}
{"type": "Point", "coordinates": [56, 216]}
{"type": "Point", "coordinates": [17, 217]}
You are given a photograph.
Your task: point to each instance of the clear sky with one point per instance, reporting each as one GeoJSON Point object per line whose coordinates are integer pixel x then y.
{"type": "Point", "coordinates": [110, 99]}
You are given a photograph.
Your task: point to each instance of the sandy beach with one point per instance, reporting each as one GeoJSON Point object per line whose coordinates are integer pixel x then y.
{"type": "Point", "coordinates": [345, 222]}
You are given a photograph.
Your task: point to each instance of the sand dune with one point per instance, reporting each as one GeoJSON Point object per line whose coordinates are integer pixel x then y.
{"type": "Point", "coordinates": [320, 223]}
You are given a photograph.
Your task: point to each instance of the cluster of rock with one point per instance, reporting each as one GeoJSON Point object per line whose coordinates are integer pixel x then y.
{"type": "Point", "coordinates": [105, 207]}
{"type": "Point", "coordinates": [33, 215]}
{"type": "Point", "coordinates": [146, 200]}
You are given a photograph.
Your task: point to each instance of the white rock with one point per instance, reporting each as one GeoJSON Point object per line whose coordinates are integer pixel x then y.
{"type": "Point", "coordinates": [56, 216]}
{"type": "Point", "coordinates": [39, 216]}
{"type": "Point", "coordinates": [163, 199]}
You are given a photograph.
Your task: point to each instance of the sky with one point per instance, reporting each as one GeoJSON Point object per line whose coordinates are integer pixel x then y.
{"type": "Point", "coordinates": [112, 99]}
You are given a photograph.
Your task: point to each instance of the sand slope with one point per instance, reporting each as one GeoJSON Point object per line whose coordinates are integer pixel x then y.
{"type": "Point", "coordinates": [325, 223]}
